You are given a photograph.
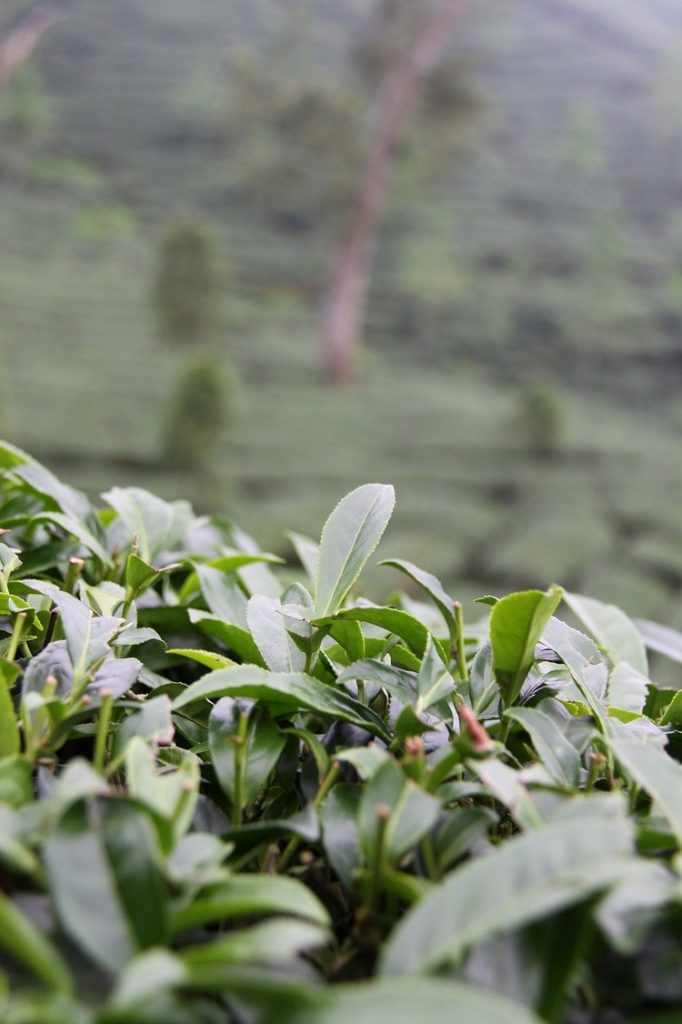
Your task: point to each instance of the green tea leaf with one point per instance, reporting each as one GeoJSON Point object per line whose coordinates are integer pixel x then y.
{"type": "Point", "coordinates": [210, 659]}
{"type": "Point", "coordinates": [615, 633]}
{"type": "Point", "coordinates": [393, 620]}
{"type": "Point", "coordinates": [557, 753]}
{"type": "Point", "coordinates": [265, 943]}
{"type": "Point", "coordinates": [411, 812]}
{"type": "Point", "coordinates": [404, 1001]}
{"type": "Point", "coordinates": [526, 879]}
{"type": "Point", "coordinates": [9, 727]}
{"type": "Point", "coordinates": [156, 526]}
{"type": "Point", "coordinates": [108, 892]}
{"type": "Point", "coordinates": [652, 769]}
{"type": "Point", "coordinates": [247, 895]}
{"type": "Point", "coordinates": [516, 625]}
{"type": "Point", "coordinates": [263, 744]}
{"type": "Point", "coordinates": [662, 639]}
{"type": "Point", "coordinates": [266, 624]}
{"type": "Point", "coordinates": [235, 638]}
{"type": "Point", "coordinates": [25, 944]}
{"type": "Point", "coordinates": [308, 552]}
{"type": "Point", "coordinates": [627, 689]}
{"type": "Point", "coordinates": [349, 538]}
{"type": "Point", "coordinates": [433, 587]}
{"type": "Point", "coordinates": [284, 691]}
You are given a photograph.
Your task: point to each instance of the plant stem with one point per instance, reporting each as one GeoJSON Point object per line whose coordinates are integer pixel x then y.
{"type": "Point", "coordinates": [383, 813]}
{"type": "Point", "coordinates": [72, 574]}
{"type": "Point", "coordinates": [459, 639]}
{"type": "Point", "coordinates": [103, 730]}
{"type": "Point", "coordinates": [17, 630]}
{"type": "Point", "coordinates": [429, 858]}
{"type": "Point", "coordinates": [239, 764]}
{"type": "Point", "coordinates": [295, 841]}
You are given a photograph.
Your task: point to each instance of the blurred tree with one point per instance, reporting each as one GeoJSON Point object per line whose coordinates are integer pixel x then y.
{"type": "Point", "coordinates": [296, 141]}
{"type": "Point", "coordinates": [186, 289]}
{"type": "Point", "coordinates": [24, 107]}
{"type": "Point", "coordinates": [409, 45]}
{"type": "Point", "coordinates": [313, 151]}
{"type": "Point", "coordinates": [540, 418]}
{"type": "Point", "coordinates": [20, 40]}
{"type": "Point", "coordinates": [199, 412]}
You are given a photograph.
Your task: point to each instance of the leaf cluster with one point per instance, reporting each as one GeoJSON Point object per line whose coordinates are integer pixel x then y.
{"type": "Point", "coordinates": [230, 792]}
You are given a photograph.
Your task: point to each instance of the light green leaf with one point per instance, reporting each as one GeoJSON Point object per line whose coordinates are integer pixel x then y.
{"type": "Point", "coordinates": [627, 689]}
{"type": "Point", "coordinates": [582, 660]}
{"type": "Point", "coordinates": [171, 794]}
{"type": "Point", "coordinates": [652, 769]}
{"type": "Point", "coordinates": [395, 621]}
{"type": "Point", "coordinates": [349, 537]}
{"type": "Point", "coordinates": [559, 756]}
{"type": "Point", "coordinates": [308, 552]}
{"type": "Point", "coordinates": [152, 973]}
{"type": "Point", "coordinates": [225, 565]}
{"type": "Point", "coordinates": [265, 943]}
{"type": "Point", "coordinates": [211, 659]}
{"type": "Point", "coordinates": [662, 639]}
{"type": "Point", "coordinates": [9, 728]}
{"type": "Point", "coordinates": [434, 682]}
{"type": "Point", "coordinates": [506, 786]}
{"type": "Point", "coordinates": [266, 624]}
{"type": "Point", "coordinates": [152, 722]}
{"type": "Point", "coordinates": [69, 501]}
{"type": "Point", "coordinates": [76, 529]}
{"type": "Point", "coordinates": [246, 895]}
{"type": "Point", "coordinates": [235, 638]}
{"type": "Point", "coordinates": [516, 625]}
{"type": "Point", "coordinates": [433, 587]}
{"type": "Point", "coordinates": [615, 633]}
{"type": "Point", "coordinates": [404, 1001]}
{"type": "Point", "coordinates": [156, 526]}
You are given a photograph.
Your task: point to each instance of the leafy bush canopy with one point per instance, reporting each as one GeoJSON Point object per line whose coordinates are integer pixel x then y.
{"type": "Point", "coordinates": [234, 792]}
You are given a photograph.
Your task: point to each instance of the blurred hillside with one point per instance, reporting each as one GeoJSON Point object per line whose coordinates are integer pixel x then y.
{"type": "Point", "coordinates": [521, 377]}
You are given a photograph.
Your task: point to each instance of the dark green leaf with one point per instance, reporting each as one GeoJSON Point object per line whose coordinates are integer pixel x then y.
{"type": "Point", "coordinates": [245, 895]}
{"type": "Point", "coordinates": [411, 812]}
{"type": "Point", "coordinates": [24, 943]}
{"type": "Point", "coordinates": [264, 743]}
{"type": "Point", "coordinates": [526, 879]}
{"type": "Point", "coordinates": [108, 893]}
{"type": "Point", "coordinates": [290, 691]}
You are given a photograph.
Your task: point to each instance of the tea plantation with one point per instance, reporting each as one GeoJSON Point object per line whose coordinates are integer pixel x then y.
{"type": "Point", "coordinates": [235, 790]}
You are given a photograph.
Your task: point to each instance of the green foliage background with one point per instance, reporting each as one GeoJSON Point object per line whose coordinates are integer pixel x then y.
{"type": "Point", "coordinates": [552, 242]}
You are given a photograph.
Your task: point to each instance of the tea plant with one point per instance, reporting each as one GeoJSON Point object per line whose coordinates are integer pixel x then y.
{"type": "Point", "coordinates": [230, 793]}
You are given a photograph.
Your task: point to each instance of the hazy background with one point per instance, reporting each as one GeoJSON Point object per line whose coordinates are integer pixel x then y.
{"type": "Point", "coordinates": [522, 360]}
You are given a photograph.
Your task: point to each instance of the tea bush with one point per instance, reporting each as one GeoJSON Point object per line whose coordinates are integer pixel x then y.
{"type": "Point", "coordinates": [231, 794]}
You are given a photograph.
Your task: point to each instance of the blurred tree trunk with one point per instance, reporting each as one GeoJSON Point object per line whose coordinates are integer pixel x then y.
{"type": "Point", "coordinates": [19, 41]}
{"type": "Point", "coordinates": [345, 303]}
